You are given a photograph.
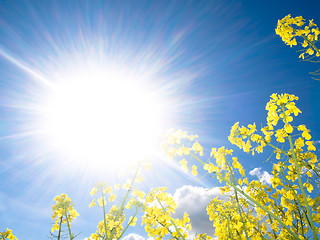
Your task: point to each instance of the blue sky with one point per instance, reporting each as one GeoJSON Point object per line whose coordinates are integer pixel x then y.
{"type": "Point", "coordinates": [213, 63]}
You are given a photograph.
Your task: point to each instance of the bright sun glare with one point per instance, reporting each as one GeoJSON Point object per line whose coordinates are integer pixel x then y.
{"type": "Point", "coordinates": [101, 116]}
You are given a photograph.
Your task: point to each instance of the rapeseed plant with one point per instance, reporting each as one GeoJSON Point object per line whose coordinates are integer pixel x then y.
{"type": "Point", "coordinates": [287, 209]}
{"type": "Point", "coordinates": [290, 29]}
{"type": "Point", "coordinates": [253, 209]}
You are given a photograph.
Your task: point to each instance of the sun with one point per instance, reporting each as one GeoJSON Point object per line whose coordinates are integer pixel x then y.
{"type": "Point", "coordinates": [101, 117]}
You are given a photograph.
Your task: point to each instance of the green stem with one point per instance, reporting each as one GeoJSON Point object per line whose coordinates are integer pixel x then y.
{"type": "Point", "coordinates": [282, 151]}
{"type": "Point", "coordinates": [124, 201]}
{"type": "Point", "coordinates": [59, 234]}
{"type": "Point", "coordinates": [175, 226]}
{"type": "Point", "coordinates": [259, 231]}
{"type": "Point", "coordinates": [309, 218]}
{"type": "Point", "coordinates": [238, 204]}
{"type": "Point", "coordinates": [194, 156]}
{"type": "Point", "coordinates": [311, 43]}
{"type": "Point", "coordinates": [259, 205]}
{"type": "Point", "coordinates": [68, 224]}
{"type": "Point", "coordinates": [230, 233]}
{"type": "Point", "coordinates": [298, 203]}
{"type": "Point", "coordinates": [128, 224]}
{"type": "Point", "coordinates": [167, 228]}
{"type": "Point", "coordinates": [240, 212]}
{"type": "Point", "coordinates": [274, 233]}
{"type": "Point", "coordinates": [104, 215]}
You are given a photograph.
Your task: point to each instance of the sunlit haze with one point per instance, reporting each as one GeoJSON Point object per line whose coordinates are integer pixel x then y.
{"type": "Point", "coordinates": [101, 116]}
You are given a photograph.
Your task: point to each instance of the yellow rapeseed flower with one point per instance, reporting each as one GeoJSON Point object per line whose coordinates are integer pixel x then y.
{"type": "Point", "coordinates": [289, 28]}
{"type": "Point", "coordinates": [8, 235]}
{"type": "Point", "coordinates": [63, 209]}
{"type": "Point", "coordinates": [194, 170]}
{"type": "Point", "coordinates": [93, 203]}
{"type": "Point", "coordinates": [184, 165]}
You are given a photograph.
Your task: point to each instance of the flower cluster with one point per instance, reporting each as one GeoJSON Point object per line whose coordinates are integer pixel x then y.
{"type": "Point", "coordinates": [290, 28]}
{"type": "Point", "coordinates": [114, 220]}
{"type": "Point", "coordinates": [157, 217]}
{"type": "Point", "coordinates": [179, 143]}
{"type": "Point", "coordinates": [229, 222]}
{"type": "Point", "coordinates": [102, 188]}
{"type": "Point", "coordinates": [280, 107]}
{"type": "Point", "coordinates": [63, 211]}
{"type": "Point", "coordinates": [7, 235]}
{"type": "Point", "coordinates": [286, 207]}
{"type": "Point", "coordinates": [114, 223]}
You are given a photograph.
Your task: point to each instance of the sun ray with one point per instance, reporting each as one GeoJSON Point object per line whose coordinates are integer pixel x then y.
{"type": "Point", "coordinates": [99, 116]}
{"type": "Point", "coordinates": [89, 104]}
{"type": "Point", "coordinates": [35, 75]}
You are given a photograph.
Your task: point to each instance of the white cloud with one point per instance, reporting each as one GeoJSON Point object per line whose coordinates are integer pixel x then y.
{"type": "Point", "coordinates": [255, 172]}
{"type": "Point", "coordinates": [263, 177]}
{"type": "Point", "coordinates": [133, 236]}
{"type": "Point", "coordinates": [194, 201]}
